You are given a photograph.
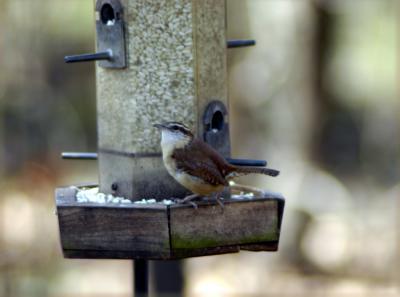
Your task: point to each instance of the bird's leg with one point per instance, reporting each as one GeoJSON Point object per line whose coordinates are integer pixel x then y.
{"type": "Point", "coordinates": [188, 199]}
{"type": "Point", "coordinates": [219, 200]}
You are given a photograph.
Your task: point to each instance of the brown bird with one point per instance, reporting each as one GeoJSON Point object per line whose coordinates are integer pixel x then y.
{"type": "Point", "coordinates": [196, 165]}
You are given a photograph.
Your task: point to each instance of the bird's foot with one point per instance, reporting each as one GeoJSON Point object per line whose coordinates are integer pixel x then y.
{"type": "Point", "coordinates": [188, 199]}
{"type": "Point", "coordinates": [219, 200]}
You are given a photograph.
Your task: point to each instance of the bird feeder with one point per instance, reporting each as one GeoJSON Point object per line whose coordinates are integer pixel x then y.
{"type": "Point", "coordinates": [160, 61]}
{"type": "Point", "coordinates": [175, 69]}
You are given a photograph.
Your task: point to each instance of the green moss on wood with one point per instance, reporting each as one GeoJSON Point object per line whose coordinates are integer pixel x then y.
{"type": "Point", "coordinates": [193, 241]}
{"type": "Point", "coordinates": [204, 242]}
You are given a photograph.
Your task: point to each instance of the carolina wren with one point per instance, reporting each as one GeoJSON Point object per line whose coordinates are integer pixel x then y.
{"type": "Point", "coordinates": [196, 165]}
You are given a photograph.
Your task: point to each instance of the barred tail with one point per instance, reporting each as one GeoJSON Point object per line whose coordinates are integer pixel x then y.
{"type": "Point", "coordinates": [239, 171]}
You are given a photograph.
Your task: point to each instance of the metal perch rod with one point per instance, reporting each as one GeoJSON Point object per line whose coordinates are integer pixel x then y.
{"type": "Point", "coordinates": [106, 55]}
{"type": "Point", "coordinates": [240, 43]}
{"type": "Point", "coordinates": [93, 156]}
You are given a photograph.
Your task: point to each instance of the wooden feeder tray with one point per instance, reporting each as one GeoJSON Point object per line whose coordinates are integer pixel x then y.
{"type": "Point", "coordinates": [165, 232]}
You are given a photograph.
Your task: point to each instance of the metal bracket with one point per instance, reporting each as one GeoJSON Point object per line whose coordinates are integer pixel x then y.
{"type": "Point", "coordinates": [110, 33]}
{"type": "Point", "coordinates": [216, 127]}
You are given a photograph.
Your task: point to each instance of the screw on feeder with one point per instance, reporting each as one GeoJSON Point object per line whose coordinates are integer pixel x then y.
{"type": "Point", "coordinates": [114, 187]}
{"type": "Point", "coordinates": [240, 43]}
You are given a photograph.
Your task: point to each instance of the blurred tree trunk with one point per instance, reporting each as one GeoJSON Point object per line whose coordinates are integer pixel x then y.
{"type": "Point", "coordinates": [336, 145]}
{"type": "Point", "coordinates": [270, 84]}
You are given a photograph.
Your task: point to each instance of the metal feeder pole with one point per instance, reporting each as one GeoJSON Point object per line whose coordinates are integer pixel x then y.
{"type": "Point", "coordinates": [141, 278]}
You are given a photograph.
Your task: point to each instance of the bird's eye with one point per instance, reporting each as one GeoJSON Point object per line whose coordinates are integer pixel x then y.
{"type": "Point", "coordinates": [175, 128]}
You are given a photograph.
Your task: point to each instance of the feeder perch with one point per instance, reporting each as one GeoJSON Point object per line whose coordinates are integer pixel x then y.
{"type": "Point", "coordinates": [160, 61]}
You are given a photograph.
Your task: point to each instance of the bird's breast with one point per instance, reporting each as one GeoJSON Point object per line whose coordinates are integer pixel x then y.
{"type": "Point", "coordinates": [190, 182]}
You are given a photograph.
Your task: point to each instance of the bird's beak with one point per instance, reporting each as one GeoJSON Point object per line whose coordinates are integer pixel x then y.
{"type": "Point", "coordinates": [159, 126]}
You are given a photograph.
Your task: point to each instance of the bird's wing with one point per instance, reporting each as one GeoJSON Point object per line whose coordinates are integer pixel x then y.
{"type": "Point", "coordinates": [198, 161]}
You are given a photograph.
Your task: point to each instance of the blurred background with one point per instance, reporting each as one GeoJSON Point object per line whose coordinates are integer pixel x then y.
{"type": "Point", "coordinates": [317, 97]}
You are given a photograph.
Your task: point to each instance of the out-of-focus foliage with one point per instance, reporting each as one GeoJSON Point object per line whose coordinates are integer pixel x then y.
{"type": "Point", "coordinates": [45, 107]}
{"type": "Point", "coordinates": [317, 97]}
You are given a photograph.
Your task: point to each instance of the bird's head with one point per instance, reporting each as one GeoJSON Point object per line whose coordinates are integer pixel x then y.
{"type": "Point", "coordinates": [174, 133]}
